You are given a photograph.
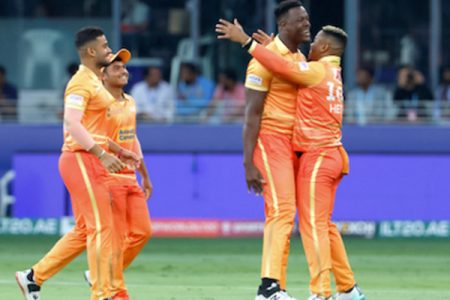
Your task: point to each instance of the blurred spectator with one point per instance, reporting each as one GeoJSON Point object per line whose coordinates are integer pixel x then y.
{"type": "Point", "coordinates": [72, 68]}
{"type": "Point", "coordinates": [412, 94]}
{"type": "Point", "coordinates": [443, 91]}
{"type": "Point", "coordinates": [442, 105]}
{"type": "Point", "coordinates": [194, 91]}
{"type": "Point", "coordinates": [229, 98]}
{"type": "Point", "coordinates": [8, 97]}
{"type": "Point", "coordinates": [154, 97]}
{"type": "Point", "coordinates": [368, 102]}
{"type": "Point", "coordinates": [135, 21]}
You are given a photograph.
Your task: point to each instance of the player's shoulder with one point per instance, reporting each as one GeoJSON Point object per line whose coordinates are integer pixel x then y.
{"type": "Point", "coordinates": [82, 79]}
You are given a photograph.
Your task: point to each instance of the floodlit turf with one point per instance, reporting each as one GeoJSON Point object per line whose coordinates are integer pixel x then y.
{"type": "Point", "coordinates": [219, 269]}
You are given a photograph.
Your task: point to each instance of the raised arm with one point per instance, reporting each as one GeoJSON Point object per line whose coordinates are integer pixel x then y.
{"type": "Point", "coordinates": [303, 73]}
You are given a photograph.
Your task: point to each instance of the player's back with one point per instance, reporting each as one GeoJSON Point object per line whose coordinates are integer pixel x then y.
{"type": "Point", "coordinates": [320, 109]}
{"type": "Point", "coordinates": [85, 92]}
{"type": "Point", "coordinates": [280, 105]}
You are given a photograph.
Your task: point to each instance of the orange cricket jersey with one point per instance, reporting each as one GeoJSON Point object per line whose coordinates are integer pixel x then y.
{"type": "Point", "coordinates": [320, 104]}
{"type": "Point", "coordinates": [279, 106]}
{"type": "Point", "coordinates": [319, 113]}
{"type": "Point", "coordinates": [86, 92]}
{"type": "Point", "coordinates": [122, 129]}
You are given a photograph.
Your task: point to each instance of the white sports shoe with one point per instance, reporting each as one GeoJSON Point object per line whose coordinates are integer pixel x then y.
{"type": "Point", "coordinates": [354, 294]}
{"type": "Point", "coordinates": [87, 277]}
{"type": "Point", "coordinates": [280, 295]}
{"type": "Point", "coordinates": [29, 288]}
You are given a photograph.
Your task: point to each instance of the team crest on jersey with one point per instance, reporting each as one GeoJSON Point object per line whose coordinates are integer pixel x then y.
{"type": "Point", "coordinates": [303, 65]}
{"type": "Point", "coordinates": [337, 74]}
{"type": "Point", "coordinates": [254, 79]}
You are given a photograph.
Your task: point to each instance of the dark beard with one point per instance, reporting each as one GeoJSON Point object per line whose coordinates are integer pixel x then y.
{"type": "Point", "coordinates": [103, 64]}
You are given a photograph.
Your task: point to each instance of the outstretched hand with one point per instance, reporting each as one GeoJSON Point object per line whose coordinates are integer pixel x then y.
{"type": "Point", "coordinates": [263, 38]}
{"type": "Point", "coordinates": [231, 31]}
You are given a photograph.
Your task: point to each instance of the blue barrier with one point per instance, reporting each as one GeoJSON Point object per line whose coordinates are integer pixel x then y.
{"type": "Point", "coordinates": [400, 139]}
{"type": "Point", "coordinates": [212, 187]}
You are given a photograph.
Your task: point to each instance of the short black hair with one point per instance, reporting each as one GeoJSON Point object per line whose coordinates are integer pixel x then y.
{"type": "Point", "coordinates": [230, 74]}
{"type": "Point", "coordinates": [2, 70]}
{"type": "Point", "coordinates": [368, 69]}
{"type": "Point", "coordinates": [148, 68]}
{"type": "Point", "coordinates": [191, 67]}
{"type": "Point", "coordinates": [284, 6]}
{"type": "Point", "coordinates": [87, 34]}
{"type": "Point", "coordinates": [337, 33]}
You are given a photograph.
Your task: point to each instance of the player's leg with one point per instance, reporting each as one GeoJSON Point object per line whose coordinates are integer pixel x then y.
{"type": "Point", "coordinates": [139, 225]}
{"type": "Point", "coordinates": [66, 249]}
{"type": "Point", "coordinates": [341, 269]}
{"type": "Point", "coordinates": [317, 174]}
{"type": "Point", "coordinates": [284, 264]}
{"type": "Point", "coordinates": [119, 194]}
{"type": "Point", "coordinates": [97, 213]}
{"type": "Point", "coordinates": [274, 159]}
{"type": "Point", "coordinates": [345, 281]}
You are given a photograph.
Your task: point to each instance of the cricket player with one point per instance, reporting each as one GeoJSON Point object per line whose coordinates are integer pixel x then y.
{"type": "Point", "coordinates": [85, 166]}
{"type": "Point", "coordinates": [269, 159]}
{"type": "Point", "coordinates": [323, 160]}
{"type": "Point", "coordinates": [129, 201]}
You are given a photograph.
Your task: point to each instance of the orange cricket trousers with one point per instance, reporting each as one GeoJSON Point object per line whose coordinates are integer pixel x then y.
{"type": "Point", "coordinates": [88, 184]}
{"type": "Point", "coordinates": [276, 160]}
{"type": "Point", "coordinates": [132, 228]}
{"type": "Point", "coordinates": [318, 177]}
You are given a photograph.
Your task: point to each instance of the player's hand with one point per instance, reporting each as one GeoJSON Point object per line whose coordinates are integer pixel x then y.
{"type": "Point", "coordinates": [254, 179]}
{"type": "Point", "coordinates": [129, 158]}
{"type": "Point", "coordinates": [147, 187]}
{"type": "Point", "coordinates": [262, 37]}
{"type": "Point", "coordinates": [231, 31]}
{"type": "Point", "coordinates": [111, 163]}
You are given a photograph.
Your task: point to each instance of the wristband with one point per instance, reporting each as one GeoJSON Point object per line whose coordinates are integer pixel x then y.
{"type": "Point", "coordinates": [248, 44]}
{"type": "Point", "coordinates": [248, 41]}
{"type": "Point", "coordinates": [102, 154]}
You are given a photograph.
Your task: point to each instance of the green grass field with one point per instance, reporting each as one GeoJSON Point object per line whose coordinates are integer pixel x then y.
{"type": "Point", "coordinates": [219, 269]}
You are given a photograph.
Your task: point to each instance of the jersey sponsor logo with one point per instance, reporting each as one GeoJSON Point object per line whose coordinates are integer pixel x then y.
{"type": "Point", "coordinates": [303, 65]}
{"type": "Point", "coordinates": [126, 134]}
{"type": "Point", "coordinates": [76, 100]}
{"type": "Point", "coordinates": [254, 79]}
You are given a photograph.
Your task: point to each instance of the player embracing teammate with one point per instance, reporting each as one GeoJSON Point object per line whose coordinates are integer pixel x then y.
{"type": "Point", "coordinates": [323, 161]}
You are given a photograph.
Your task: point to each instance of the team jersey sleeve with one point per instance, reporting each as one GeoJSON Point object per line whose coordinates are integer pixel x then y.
{"type": "Point", "coordinates": [77, 96]}
{"type": "Point", "coordinates": [302, 73]}
{"type": "Point", "coordinates": [257, 78]}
